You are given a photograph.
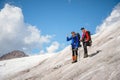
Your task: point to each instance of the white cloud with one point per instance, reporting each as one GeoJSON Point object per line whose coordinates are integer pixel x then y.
{"type": "Point", "coordinates": [35, 37]}
{"type": "Point", "coordinates": [53, 48]}
{"type": "Point", "coordinates": [42, 52]}
{"type": "Point", "coordinates": [112, 20]}
{"type": "Point", "coordinates": [16, 34]}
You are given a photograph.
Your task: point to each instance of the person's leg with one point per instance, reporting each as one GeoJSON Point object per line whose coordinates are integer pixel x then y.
{"type": "Point", "coordinates": [85, 50]}
{"type": "Point", "coordinates": [77, 52]}
{"type": "Point", "coordinates": [76, 55]}
{"type": "Point", "coordinates": [73, 54]}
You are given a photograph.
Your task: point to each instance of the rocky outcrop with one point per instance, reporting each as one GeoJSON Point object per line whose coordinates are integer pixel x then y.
{"type": "Point", "coordinates": [13, 54]}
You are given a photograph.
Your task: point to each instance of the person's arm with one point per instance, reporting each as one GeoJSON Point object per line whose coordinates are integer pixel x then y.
{"type": "Point", "coordinates": [68, 39]}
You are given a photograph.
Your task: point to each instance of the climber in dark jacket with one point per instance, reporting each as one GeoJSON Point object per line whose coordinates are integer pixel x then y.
{"type": "Point", "coordinates": [86, 39]}
{"type": "Point", "coordinates": [75, 45]}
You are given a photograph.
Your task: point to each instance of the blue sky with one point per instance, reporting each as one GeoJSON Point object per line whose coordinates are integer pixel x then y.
{"type": "Point", "coordinates": [60, 17]}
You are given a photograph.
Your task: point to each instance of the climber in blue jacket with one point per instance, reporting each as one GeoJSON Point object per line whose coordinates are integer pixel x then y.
{"type": "Point", "coordinates": [75, 44]}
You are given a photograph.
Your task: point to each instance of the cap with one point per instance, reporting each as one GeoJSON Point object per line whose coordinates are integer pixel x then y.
{"type": "Point", "coordinates": [82, 28]}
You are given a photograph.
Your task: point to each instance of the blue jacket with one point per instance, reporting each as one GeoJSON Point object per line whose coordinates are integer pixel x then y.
{"type": "Point", "coordinates": [75, 41]}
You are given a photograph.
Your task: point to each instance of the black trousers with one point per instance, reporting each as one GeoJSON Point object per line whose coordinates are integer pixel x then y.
{"type": "Point", "coordinates": [85, 49]}
{"type": "Point", "coordinates": [74, 52]}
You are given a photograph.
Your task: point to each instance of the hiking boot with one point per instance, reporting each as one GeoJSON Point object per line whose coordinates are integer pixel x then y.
{"type": "Point", "coordinates": [74, 61]}
{"type": "Point", "coordinates": [85, 56]}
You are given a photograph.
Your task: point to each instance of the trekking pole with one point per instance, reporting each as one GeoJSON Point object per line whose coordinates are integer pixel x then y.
{"type": "Point", "coordinates": [79, 54]}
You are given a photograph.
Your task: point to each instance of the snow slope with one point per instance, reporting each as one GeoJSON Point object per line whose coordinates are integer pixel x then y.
{"type": "Point", "coordinates": [103, 62]}
{"type": "Point", "coordinates": [13, 66]}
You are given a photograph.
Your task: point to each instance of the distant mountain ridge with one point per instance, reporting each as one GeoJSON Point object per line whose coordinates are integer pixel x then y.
{"type": "Point", "coordinates": [13, 54]}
